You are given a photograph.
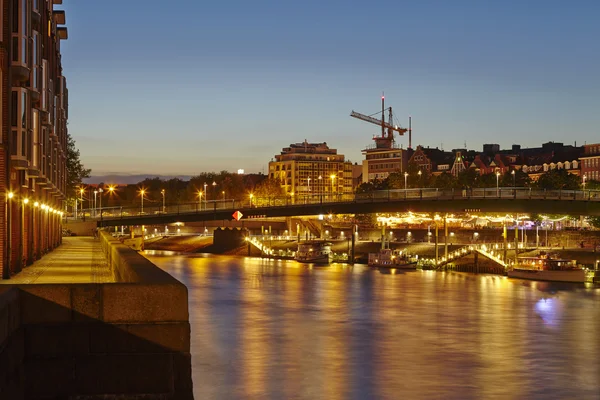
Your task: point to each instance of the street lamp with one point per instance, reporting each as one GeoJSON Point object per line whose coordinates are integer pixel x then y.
{"type": "Point", "coordinates": [420, 182]}
{"type": "Point", "coordinates": [95, 193]}
{"type": "Point", "coordinates": [163, 196]}
{"type": "Point", "coordinates": [405, 180]}
{"type": "Point", "coordinates": [497, 181]}
{"type": "Point", "coordinates": [251, 197]}
{"type": "Point", "coordinates": [142, 192]}
{"type": "Point", "coordinates": [81, 190]}
{"type": "Point", "coordinates": [332, 176]}
{"type": "Point", "coordinates": [200, 198]}
{"type": "Point", "coordinates": [100, 191]}
{"type": "Point", "coordinates": [513, 175]}
{"type": "Point", "coordinates": [223, 195]}
{"type": "Point", "coordinates": [205, 195]}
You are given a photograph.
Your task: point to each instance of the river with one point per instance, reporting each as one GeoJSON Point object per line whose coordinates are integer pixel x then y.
{"type": "Point", "coordinates": [264, 329]}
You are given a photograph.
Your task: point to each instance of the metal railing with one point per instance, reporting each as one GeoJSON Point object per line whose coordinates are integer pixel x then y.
{"type": "Point", "coordinates": [429, 194]}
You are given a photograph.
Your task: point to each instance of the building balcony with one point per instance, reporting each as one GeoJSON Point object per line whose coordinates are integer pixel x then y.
{"type": "Point", "coordinates": [20, 73]}
{"type": "Point", "coordinates": [33, 172]}
{"type": "Point", "coordinates": [19, 162]}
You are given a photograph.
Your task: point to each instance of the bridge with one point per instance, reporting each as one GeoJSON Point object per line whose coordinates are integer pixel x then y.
{"type": "Point", "coordinates": [509, 200]}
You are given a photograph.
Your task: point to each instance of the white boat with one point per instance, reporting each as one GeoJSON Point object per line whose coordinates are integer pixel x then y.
{"type": "Point", "coordinates": [389, 258]}
{"type": "Point", "coordinates": [315, 252]}
{"type": "Point", "coordinates": [548, 268]}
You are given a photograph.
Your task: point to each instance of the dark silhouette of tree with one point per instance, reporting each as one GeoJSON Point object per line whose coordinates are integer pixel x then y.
{"type": "Point", "coordinates": [558, 179]}
{"type": "Point", "coordinates": [76, 172]}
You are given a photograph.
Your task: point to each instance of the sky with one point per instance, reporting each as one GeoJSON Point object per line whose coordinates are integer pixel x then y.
{"type": "Point", "coordinates": [181, 87]}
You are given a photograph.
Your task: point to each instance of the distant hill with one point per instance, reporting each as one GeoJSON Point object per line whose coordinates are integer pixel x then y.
{"type": "Point", "coordinates": [118, 179]}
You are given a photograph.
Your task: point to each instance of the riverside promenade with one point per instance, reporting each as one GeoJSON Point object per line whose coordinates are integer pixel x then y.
{"type": "Point", "coordinates": [80, 259]}
{"type": "Point", "coordinates": [94, 319]}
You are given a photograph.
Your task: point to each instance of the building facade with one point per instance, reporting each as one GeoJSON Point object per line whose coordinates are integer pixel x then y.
{"type": "Point", "coordinates": [590, 162]}
{"type": "Point", "coordinates": [34, 116]}
{"type": "Point", "coordinates": [312, 169]}
{"type": "Point", "coordinates": [382, 158]}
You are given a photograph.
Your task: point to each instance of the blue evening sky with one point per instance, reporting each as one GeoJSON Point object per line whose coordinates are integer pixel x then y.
{"type": "Point", "coordinates": [181, 87]}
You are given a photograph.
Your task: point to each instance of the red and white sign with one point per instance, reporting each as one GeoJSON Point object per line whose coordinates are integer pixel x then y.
{"type": "Point", "coordinates": [237, 215]}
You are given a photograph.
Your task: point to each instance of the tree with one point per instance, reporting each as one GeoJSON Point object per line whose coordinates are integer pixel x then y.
{"type": "Point", "coordinates": [519, 179]}
{"type": "Point", "coordinates": [556, 179]}
{"type": "Point", "coordinates": [445, 181]}
{"type": "Point", "coordinates": [268, 190]}
{"type": "Point", "coordinates": [469, 178]}
{"type": "Point", "coordinates": [75, 170]}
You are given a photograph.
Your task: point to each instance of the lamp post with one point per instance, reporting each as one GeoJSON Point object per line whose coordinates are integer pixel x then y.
{"type": "Point", "coordinates": [100, 191]}
{"type": "Point", "coordinates": [420, 173]}
{"type": "Point", "coordinates": [321, 187]}
{"type": "Point", "coordinates": [205, 195]}
{"type": "Point", "coordinates": [251, 197]}
{"type": "Point", "coordinates": [405, 180]}
{"type": "Point", "coordinates": [513, 175]}
{"type": "Point", "coordinates": [332, 185]}
{"type": "Point", "coordinates": [497, 182]}
{"type": "Point", "coordinates": [163, 196]}
{"type": "Point", "coordinates": [95, 193]}
{"type": "Point", "coordinates": [81, 190]}
{"type": "Point", "coordinates": [200, 199]}
{"type": "Point", "coordinates": [214, 185]}
{"type": "Point", "coordinates": [142, 192]}
{"type": "Point", "coordinates": [308, 179]}
{"type": "Point", "coordinates": [223, 192]}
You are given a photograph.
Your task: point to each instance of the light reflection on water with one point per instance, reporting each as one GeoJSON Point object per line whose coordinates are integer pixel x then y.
{"type": "Point", "coordinates": [283, 330]}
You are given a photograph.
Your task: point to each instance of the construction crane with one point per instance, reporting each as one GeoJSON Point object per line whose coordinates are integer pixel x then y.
{"type": "Point", "coordinates": [387, 128]}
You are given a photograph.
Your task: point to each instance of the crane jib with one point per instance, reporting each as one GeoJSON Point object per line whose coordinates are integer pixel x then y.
{"type": "Point", "coordinates": [376, 121]}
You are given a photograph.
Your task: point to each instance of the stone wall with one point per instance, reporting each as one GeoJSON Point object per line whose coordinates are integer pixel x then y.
{"type": "Point", "coordinates": [129, 339]}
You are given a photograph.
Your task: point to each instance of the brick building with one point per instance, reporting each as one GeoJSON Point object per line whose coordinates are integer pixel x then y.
{"type": "Point", "coordinates": [590, 162]}
{"type": "Point", "coordinates": [34, 131]}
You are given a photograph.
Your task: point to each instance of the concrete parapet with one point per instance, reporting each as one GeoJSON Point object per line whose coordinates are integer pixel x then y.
{"type": "Point", "coordinates": [129, 339]}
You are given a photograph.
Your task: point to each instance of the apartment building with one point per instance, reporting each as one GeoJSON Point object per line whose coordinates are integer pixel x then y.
{"type": "Point", "coordinates": [34, 130]}
{"type": "Point", "coordinates": [312, 169]}
{"type": "Point", "coordinates": [590, 162]}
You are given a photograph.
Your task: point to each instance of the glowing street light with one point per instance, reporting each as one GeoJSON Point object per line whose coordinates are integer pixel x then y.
{"type": "Point", "coordinates": [497, 181]}
{"type": "Point", "coordinates": [251, 197]}
{"type": "Point", "coordinates": [420, 182]}
{"type": "Point", "coordinates": [95, 193]}
{"type": "Point", "coordinates": [142, 193]}
{"type": "Point", "coordinates": [223, 192]}
{"type": "Point", "coordinates": [332, 176]}
{"type": "Point", "coordinates": [405, 180]}
{"type": "Point", "coordinates": [163, 196]}
{"type": "Point", "coordinates": [513, 175]}
{"type": "Point", "coordinates": [100, 191]}
{"type": "Point", "coordinates": [200, 198]}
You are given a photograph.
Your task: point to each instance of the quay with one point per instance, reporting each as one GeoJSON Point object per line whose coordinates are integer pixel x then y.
{"type": "Point", "coordinates": [94, 319]}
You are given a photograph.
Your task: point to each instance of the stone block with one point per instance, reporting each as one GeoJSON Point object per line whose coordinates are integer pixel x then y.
{"type": "Point", "coordinates": [124, 374]}
{"type": "Point", "coordinates": [45, 303]}
{"type": "Point", "coordinates": [124, 302]}
{"type": "Point", "coordinates": [140, 338]}
{"type": "Point", "coordinates": [182, 376]}
{"type": "Point", "coordinates": [49, 378]}
{"type": "Point", "coordinates": [87, 302]}
{"type": "Point", "coordinates": [57, 340]}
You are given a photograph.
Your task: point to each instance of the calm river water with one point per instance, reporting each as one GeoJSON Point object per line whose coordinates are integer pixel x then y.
{"type": "Point", "coordinates": [281, 330]}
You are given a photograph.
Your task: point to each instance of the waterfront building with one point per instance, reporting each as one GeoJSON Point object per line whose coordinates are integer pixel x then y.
{"type": "Point", "coordinates": [34, 131]}
{"type": "Point", "coordinates": [590, 162]}
{"type": "Point", "coordinates": [383, 158]}
{"type": "Point", "coordinates": [312, 169]}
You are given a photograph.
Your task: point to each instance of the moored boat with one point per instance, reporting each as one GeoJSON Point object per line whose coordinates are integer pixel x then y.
{"type": "Point", "coordinates": [548, 268]}
{"type": "Point", "coordinates": [315, 252]}
{"type": "Point", "coordinates": [388, 258]}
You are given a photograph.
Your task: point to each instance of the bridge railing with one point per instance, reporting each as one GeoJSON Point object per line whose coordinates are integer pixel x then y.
{"type": "Point", "coordinates": [504, 193]}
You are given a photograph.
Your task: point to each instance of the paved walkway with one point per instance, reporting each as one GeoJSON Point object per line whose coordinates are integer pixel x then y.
{"type": "Point", "coordinates": [78, 260]}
